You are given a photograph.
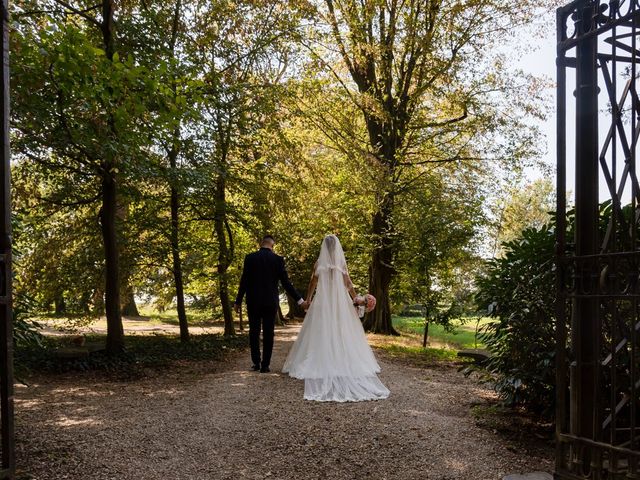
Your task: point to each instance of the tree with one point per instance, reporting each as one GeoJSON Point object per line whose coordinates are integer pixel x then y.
{"type": "Point", "coordinates": [56, 248]}
{"type": "Point", "coordinates": [178, 93]}
{"type": "Point", "coordinates": [524, 207]}
{"type": "Point", "coordinates": [164, 151]}
{"type": "Point", "coordinates": [242, 56]}
{"type": "Point", "coordinates": [421, 85]}
{"type": "Point", "coordinates": [78, 114]}
{"type": "Point", "coordinates": [439, 224]}
{"type": "Point", "coordinates": [518, 289]}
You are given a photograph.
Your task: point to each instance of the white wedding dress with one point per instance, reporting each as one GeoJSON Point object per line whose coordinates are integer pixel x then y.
{"type": "Point", "coordinates": [331, 352]}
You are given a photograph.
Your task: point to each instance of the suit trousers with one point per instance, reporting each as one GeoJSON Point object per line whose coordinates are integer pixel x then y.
{"type": "Point", "coordinates": [261, 318]}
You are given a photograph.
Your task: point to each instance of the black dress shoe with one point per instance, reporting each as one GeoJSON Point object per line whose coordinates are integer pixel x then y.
{"type": "Point", "coordinates": [255, 368]}
{"type": "Point", "coordinates": [264, 370]}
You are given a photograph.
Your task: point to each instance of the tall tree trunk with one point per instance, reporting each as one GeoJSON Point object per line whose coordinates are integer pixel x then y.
{"type": "Point", "coordinates": [381, 270]}
{"type": "Point", "coordinates": [175, 196]}
{"type": "Point", "coordinates": [425, 338]}
{"type": "Point", "coordinates": [295, 310]}
{"type": "Point", "coordinates": [115, 331]}
{"type": "Point", "coordinates": [373, 73]}
{"type": "Point", "coordinates": [280, 320]}
{"type": "Point", "coordinates": [385, 140]}
{"type": "Point", "coordinates": [175, 239]}
{"type": "Point", "coordinates": [225, 252]}
{"type": "Point", "coordinates": [129, 307]}
{"type": "Point", "coordinates": [60, 306]}
{"type": "Point", "coordinates": [223, 292]}
{"type": "Point", "coordinates": [177, 262]}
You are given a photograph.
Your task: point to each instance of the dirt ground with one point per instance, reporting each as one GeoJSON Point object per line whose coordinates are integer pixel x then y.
{"type": "Point", "coordinates": [231, 423]}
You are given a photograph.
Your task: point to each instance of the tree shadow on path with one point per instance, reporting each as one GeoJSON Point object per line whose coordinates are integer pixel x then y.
{"type": "Point", "coordinates": [233, 423]}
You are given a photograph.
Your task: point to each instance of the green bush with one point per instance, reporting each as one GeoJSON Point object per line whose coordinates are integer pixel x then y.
{"type": "Point", "coordinates": [26, 332]}
{"type": "Point", "coordinates": [518, 290]}
{"type": "Point", "coordinates": [26, 335]}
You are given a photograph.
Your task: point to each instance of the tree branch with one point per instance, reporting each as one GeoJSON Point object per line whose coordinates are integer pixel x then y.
{"type": "Point", "coordinates": [82, 13]}
{"type": "Point", "coordinates": [84, 201]}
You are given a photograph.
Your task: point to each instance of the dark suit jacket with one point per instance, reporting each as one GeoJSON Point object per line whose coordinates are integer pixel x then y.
{"type": "Point", "coordinates": [260, 276]}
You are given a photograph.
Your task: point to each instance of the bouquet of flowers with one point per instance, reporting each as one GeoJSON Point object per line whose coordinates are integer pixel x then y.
{"type": "Point", "coordinates": [364, 304]}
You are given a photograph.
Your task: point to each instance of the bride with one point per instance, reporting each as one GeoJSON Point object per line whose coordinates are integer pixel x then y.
{"type": "Point", "coordinates": [331, 352]}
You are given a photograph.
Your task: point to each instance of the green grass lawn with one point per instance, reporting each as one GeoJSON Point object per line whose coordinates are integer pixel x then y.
{"type": "Point", "coordinates": [418, 355]}
{"type": "Point", "coordinates": [463, 335]}
{"type": "Point", "coordinates": [149, 317]}
{"type": "Point", "coordinates": [196, 318]}
{"type": "Point", "coordinates": [443, 345]}
{"type": "Point", "coordinates": [151, 349]}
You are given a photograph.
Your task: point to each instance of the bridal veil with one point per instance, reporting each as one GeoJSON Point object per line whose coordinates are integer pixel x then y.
{"type": "Point", "coordinates": [331, 352]}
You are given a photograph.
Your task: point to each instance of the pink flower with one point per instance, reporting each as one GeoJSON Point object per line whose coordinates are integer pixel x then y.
{"type": "Point", "coordinates": [370, 302]}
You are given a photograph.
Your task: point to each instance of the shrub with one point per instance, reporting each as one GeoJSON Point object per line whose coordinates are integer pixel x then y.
{"type": "Point", "coordinates": [26, 334]}
{"type": "Point", "coordinates": [518, 290]}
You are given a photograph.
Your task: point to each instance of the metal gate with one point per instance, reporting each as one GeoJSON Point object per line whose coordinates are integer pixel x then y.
{"type": "Point", "coordinates": [7, 466]}
{"type": "Point", "coordinates": [598, 360]}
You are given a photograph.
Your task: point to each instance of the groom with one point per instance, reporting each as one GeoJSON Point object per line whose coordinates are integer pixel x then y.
{"type": "Point", "coordinates": [260, 276]}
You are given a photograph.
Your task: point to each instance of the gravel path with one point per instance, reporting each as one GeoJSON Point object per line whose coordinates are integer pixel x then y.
{"type": "Point", "coordinates": [236, 424]}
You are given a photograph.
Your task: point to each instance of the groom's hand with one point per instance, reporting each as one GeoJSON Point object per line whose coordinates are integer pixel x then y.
{"type": "Point", "coordinates": [237, 308]}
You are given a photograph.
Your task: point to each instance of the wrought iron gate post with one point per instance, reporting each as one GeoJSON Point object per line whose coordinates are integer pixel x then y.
{"type": "Point", "coordinates": [584, 318]}
{"type": "Point", "coordinates": [598, 276]}
{"type": "Point", "coordinates": [6, 324]}
{"type": "Point", "coordinates": [560, 246]}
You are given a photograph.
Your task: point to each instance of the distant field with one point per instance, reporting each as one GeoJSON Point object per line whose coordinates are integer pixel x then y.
{"type": "Point", "coordinates": [150, 321]}
{"type": "Point", "coordinates": [463, 335]}
{"type": "Point", "coordinates": [199, 318]}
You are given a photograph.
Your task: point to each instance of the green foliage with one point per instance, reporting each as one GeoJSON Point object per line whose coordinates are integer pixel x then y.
{"type": "Point", "coordinates": [26, 332]}
{"type": "Point", "coordinates": [26, 335]}
{"type": "Point", "coordinates": [518, 290]}
{"type": "Point", "coordinates": [526, 206]}
{"type": "Point", "coordinates": [73, 282]}
{"type": "Point", "coordinates": [238, 111]}
{"type": "Point", "coordinates": [438, 224]}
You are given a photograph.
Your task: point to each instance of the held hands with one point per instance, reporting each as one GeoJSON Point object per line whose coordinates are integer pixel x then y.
{"type": "Point", "coordinates": [305, 305]}
{"type": "Point", "coordinates": [237, 308]}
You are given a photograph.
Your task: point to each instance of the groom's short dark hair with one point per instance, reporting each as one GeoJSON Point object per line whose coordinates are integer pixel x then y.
{"type": "Point", "coordinates": [268, 238]}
